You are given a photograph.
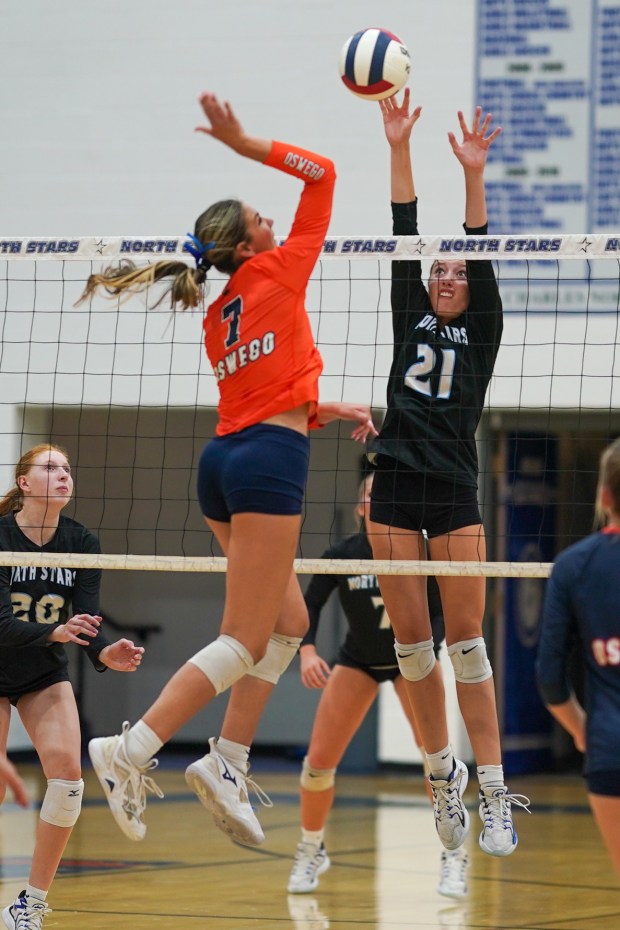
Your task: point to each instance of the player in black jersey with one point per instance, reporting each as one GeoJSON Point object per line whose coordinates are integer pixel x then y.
{"type": "Point", "coordinates": [41, 608]}
{"type": "Point", "coordinates": [582, 607]}
{"type": "Point", "coordinates": [445, 343]}
{"type": "Point", "coordinates": [364, 661]}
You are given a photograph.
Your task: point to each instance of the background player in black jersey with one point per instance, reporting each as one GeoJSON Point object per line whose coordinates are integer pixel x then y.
{"type": "Point", "coordinates": [582, 606]}
{"type": "Point", "coordinates": [364, 661]}
{"type": "Point", "coordinates": [446, 340]}
{"type": "Point", "coordinates": [41, 608]}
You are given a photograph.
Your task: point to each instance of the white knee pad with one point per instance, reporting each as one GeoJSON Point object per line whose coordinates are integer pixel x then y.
{"type": "Point", "coordinates": [223, 662]}
{"type": "Point", "coordinates": [316, 779]}
{"type": "Point", "coordinates": [470, 661]}
{"type": "Point", "coordinates": [62, 802]}
{"type": "Point", "coordinates": [280, 652]}
{"type": "Point", "coordinates": [416, 660]}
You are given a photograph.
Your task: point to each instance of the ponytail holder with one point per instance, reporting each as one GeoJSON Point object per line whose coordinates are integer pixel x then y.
{"type": "Point", "coordinates": [198, 250]}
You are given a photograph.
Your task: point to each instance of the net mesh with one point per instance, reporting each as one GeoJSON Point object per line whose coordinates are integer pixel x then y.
{"type": "Point", "coordinates": [130, 394]}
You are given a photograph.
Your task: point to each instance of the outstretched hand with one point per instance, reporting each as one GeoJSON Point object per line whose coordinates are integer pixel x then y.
{"type": "Point", "coordinates": [224, 125]}
{"type": "Point", "coordinates": [472, 151]}
{"type": "Point", "coordinates": [397, 121]}
{"type": "Point", "coordinates": [122, 656]}
{"type": "Point", "coordinates": [359, 413]}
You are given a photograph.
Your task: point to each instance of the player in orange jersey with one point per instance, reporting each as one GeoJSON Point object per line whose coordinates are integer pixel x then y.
{"type": "Point", "coordinates": [251, 476]}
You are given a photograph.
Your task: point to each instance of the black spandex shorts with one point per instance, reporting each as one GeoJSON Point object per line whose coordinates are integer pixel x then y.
{"type": "Point", "coordinates": [14, 694]}
{"type": "Point", "coordinates": [261, 469]}
{"type": "Point", "coordinates": [407, 499]}
{"type": "Point", "coordinates": [378, 673]}
{"type": "Point", "coordinates": [605, 783]}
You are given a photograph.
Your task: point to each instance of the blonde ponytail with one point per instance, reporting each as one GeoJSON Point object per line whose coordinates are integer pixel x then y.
{"type": "Point", "coordinates": [220, 229]}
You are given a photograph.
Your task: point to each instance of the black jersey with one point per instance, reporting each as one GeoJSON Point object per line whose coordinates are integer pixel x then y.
{"type": "Point", "coordinates": [439, 377]}
{"type": "Point", "coordinates": [370, 639]}
{"type": "Point", "coordinates": [582, 603]}
{"type": "Point", "coordinates": [34, 599]}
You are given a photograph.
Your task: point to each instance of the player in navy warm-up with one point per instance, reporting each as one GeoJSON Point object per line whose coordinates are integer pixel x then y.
{"type": "Point", "coordinates": [582, 605]}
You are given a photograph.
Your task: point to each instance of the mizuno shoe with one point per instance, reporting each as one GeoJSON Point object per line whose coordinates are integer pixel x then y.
{"type": "Point", "coordinates": [499, 837]}
{"type": "Point", "coordinates": [25, 913]}
{"type": "Point", "coordinates": [223, 789]}
{"type": "Point", "coordinates": [451, 817]}
{"type": "Point", "coordinates": [453, 874]}
{"type": "Point", "coordinates": [125, 784]}
{"type": "Point", "coordinates": [310, 862]}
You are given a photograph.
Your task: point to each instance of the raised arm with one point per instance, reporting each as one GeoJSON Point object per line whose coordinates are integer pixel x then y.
{"type": "Point", "coordinates": [472, 154]}
{"type": "Point", "coordinates": [225, 127]}
{"type": "Point", "coordinates": [398, 123]}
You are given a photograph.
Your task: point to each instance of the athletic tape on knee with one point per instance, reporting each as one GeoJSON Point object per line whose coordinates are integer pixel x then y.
{"type": "Point", "coordinates": [62, 802]}
{"type": "Point", "coordinates": [223, 662]}
{"type": "Point", "coordinates": [470, 661]}
{"type": "Point", "coordinates": [416, 660]}
{"type": "Point", "coordinates": [280, 652]}
{"type": "Point", "coordinates": [316, 779]}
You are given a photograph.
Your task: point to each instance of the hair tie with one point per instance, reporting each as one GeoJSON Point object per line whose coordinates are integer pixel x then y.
{"type": "Point", "coordinates": [199, 251]}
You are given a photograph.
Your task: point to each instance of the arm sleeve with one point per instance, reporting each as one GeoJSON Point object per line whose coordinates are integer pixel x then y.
{"type": "Point", "coordinates": [316, 596]}
{"type": "Point", "coordinates": [408, 291]}
{"type": "Point", "coordinates": [13, 631]}
{"type": "Point", "coordinates": [556, 638]}
{"type": "Point", "coordinates": [293, 262]}
{"type": "Point", "coordinates": [85, 599]}
{"type": "Point", "coordinates": [484, 293]}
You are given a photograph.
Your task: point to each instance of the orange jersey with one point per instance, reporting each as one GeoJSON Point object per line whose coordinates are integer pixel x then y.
{"type": "Point", "coordinates": [257, 333]}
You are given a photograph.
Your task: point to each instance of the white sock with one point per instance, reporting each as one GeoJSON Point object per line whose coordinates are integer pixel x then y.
{"type": "Point", "coordinates": [141, 744]}
{"type": "Point", "coordinates": [38, 893]}
{"type": "Point", "coordinates": [233, 752]}
{"type": "Point", "coordinates": [312, 836]}
{"type": "Point", "coordinates": [441, 763]}
{"type": "Point", "coordinates": [490, 775]}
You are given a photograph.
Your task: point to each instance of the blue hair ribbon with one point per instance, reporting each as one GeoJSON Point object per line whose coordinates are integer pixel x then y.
{"type": "Point", "coordinates": [198, 250]}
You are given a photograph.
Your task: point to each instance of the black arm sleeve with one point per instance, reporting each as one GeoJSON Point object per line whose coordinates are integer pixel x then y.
{"type": "Point", "coordinates": [557, 635]}
{"type": "Point", "coordinates": [85, 600]}
{"type": "Point", "coordinates": [316, 596]}
{"type": "Point", "coordinates": [484, 292]}
{"type": "Point", "coordinates": [408, 291]}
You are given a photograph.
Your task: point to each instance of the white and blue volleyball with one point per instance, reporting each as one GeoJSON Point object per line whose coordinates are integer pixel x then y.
{"type": "Point", "coordinates": [374, 64]}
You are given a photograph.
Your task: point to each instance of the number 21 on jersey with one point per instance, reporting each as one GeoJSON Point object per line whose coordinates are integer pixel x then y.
{"type": "Point", "coordinates": [418, 375]}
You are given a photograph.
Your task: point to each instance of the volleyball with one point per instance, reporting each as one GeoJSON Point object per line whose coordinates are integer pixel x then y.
{"type": "Point", "coordinates": [374, 64]}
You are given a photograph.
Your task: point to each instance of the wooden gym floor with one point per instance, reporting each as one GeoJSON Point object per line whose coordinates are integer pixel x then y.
{"type": "Point", "coordinates": [385, 861]}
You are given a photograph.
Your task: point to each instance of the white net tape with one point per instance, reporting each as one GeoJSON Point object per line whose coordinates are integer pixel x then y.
{"type": "Point", "coordinates": [301, 566]}
{"type": "Point", "coordinates": [155, 248]}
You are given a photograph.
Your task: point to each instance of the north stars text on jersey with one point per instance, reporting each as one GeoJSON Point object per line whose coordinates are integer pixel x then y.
{"type": "Point", "coordinates": [65, 576]}
{"type": "Point", "coordinates": [362, 582]}
{"type": "Point", "coordinates": [453, 333]}
{"type": "Point", "coordinates": [244, 355]}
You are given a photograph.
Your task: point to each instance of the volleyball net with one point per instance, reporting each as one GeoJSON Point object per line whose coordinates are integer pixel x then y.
{"type": "Point", "coordinates": [129, 392]}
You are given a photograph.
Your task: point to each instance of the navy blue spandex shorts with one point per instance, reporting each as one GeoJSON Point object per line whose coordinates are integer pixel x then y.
{"type": "Point", "coordinates": [605, 783]}
{"type": "Point", "coordinates": [260, 469]}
